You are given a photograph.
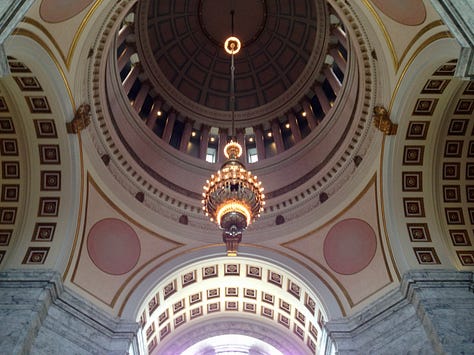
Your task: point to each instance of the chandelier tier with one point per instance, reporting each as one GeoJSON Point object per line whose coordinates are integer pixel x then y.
{"type": "Point", "coordinates": [233, 197]}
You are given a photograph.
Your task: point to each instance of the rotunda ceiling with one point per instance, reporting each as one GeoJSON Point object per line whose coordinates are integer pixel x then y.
{"type": "Point", "coordinates": [180, 45]}
{"type": "Point", "coordinates": [165, 79]}
{"type": "Point", "coordinates": [130, 228]}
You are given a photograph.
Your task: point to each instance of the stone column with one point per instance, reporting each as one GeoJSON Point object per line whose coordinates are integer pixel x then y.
{"type": "Point", "coordinates": [444, 303]}
{"type": "Point", "coordinates": [277, 138]}
{"type": "Point", "coordinates": [186, 136]}
{"type": "Point", "coordinates": [338, 58]}
{"type": "Point", "coordinates": [169, 127]}
{"type": "Point", "coordinates": [223, 134]}
{"type": "Point", "coordinates": [124, 58]}
{"type": "Point", "coordinates": [332, 79]}
{"type": "Point", "coordinates": [322, 98]}
{"type": "Point", "coordinates": [295, 129]}
{"type": "Point", "coordinates": [337, 32]}
{"type": "Point", "coordinates": [4, 67]}
{"type": "Point", "coordinates": [39, 316]}
{"type": "Point", "coordinates": [241, 140]}
{"type": "Point", "coordinates": [123, 33]}
{"type": "Point", "coordinates": [431, 313]}
{"type": "Point", "coordinates": [153, 115]}
{"type": "Point", "coordinates": [203, 142]}
{"type": "Point", "coordinates": [131, 77]}
{"type": "Point", "coordinates": [309, 114]}
{"type": "Point", "coordinates": [458, 15]}
{"type": "Point", "coordinates": [11, 13]}
{"type": "Point", "coordinates": [259, 142]}
{"type": "Point", "coordinates": [141, 96]}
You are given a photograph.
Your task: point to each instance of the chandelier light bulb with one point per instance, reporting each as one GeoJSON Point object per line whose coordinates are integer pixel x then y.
{"type": "Point", "coordinates": [232, 45]}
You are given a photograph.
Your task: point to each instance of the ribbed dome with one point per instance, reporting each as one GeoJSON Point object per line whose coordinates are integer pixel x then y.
{"type": "Point", "coordinates": [180, 45]}
{"type": "Point", "coordinates": [173, 68]}
{"type": "Point", "coordinates": [303, 138]}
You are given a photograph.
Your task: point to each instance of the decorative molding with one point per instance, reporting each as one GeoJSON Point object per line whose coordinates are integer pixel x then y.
{"type": "Point", "coordinates": [171, 205]}
{"type": "Point", "coordinates": [82, 119]}
{"type": "Point", "coordinates": [382, 121]}
{"type": "Point", "coordinates": [276, 337]}
{"type": "Point", "coordinates": [242, 287]}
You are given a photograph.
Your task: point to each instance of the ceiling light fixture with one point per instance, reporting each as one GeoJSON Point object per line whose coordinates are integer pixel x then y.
{"type": "Point", "coordinates": [233, 197]}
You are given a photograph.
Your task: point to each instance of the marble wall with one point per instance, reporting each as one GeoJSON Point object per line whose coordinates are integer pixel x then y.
{"type": "Point", "coordinates": [39, 316]}
{"type": "Point", "coordinates": [11, 12]}
{"type": "Point", "coordinates": [458, 15]}
{"type": "Point", "coordinates": [444, 303]}
{"type": "Point", "coordinates": [431, 313]}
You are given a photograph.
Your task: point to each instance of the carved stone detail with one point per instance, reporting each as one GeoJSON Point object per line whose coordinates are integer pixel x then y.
{"type": "Point", "coordinates": [81, 120]}
{"type": "Point", "coordinates": [382, 121]}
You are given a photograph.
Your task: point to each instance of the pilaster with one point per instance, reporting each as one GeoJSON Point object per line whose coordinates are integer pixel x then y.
{"type": "Point", "coordinates": [431, 313]}
{"type": "Point", "coordinates": [11, 12]}
{"type": "Point", "coordinates": [39, 316]}
{"type": "Point", "coordinates": [459, 17]}
{"type": "Point", "coordinates": [444, 303]}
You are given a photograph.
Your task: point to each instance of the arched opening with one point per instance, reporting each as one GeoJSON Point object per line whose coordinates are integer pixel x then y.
{"type": "Point", "coordinates": [199, 305]}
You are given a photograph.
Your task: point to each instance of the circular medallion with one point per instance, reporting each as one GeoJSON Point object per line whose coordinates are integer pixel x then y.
{"type": "Point", "coordinates": [113, 246]}
{"type": "Point", "coordinates": [55, 11]}
{"type": "Point", "coordinates": [350, 246]}
{"type": "Point", "coordinates": [181, 49]}
{"type": "Point", "coordinates": [407, 12]}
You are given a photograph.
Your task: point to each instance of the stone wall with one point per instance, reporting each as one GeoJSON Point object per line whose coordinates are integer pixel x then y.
{"type": "Point", "coordinates": [11, 12]}
{"type": "Point", "coordinates": [431, 313]}
{"type": "Point", "coordinates": [39, 316]}
{"type": "Point", "coordinates": [458, 15]}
